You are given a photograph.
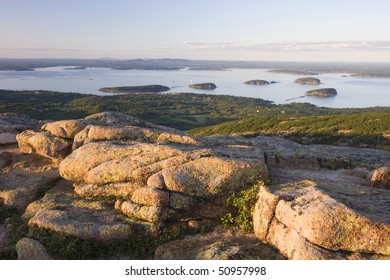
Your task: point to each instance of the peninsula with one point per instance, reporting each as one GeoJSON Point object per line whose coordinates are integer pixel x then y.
{"type": "Point", "coordinates": [135, 89]}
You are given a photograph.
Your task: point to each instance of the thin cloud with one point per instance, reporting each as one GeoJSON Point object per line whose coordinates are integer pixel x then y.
{"type": "Point", "coordinates": [28, 49]}
{"type": "Point", "coordinates": [59, 52]}
{"type": "Point", "coordinates": [287, 46]}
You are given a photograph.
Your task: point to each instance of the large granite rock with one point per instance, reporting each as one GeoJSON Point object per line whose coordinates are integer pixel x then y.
{"type": "Point", "coordinates": [285, 154]}
{"type": "Point", "coordinates": [158, 175]}
{"type": "Point", "coordinates": [321, 206]}
{"type": "Point", "coordinates": [305, 221]}
{"type": "Point", "coordinates": [126, 177]}
{"type": "Point", "coordinates": [24, 177]}
{"type": "Point", "coordinates": [164, 182]}
{"type": "Point", "coordinates": [56, 140]}
{"type": "Point", "coordinates": [62, 211]}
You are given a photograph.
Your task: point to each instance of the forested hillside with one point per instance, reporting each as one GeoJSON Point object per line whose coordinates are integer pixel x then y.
{"type": "Point", "coordinates": [302, 122]}
{"type": "Point", "coordinates": [363, 130]}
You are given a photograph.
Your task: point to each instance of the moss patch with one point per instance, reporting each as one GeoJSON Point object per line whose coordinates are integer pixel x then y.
{"type": "Point", "coordinates": [68, 247]}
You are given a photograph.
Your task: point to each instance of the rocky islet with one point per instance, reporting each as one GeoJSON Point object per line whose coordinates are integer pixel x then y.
{"type": "Point", "coordinates": [322, 92]}
{"type": "Point", "coordinates": [257, 82]}
{"type": "Point", "coordinates": [206, 86]}
{"type": "Point", "coordinates": [307, 81]}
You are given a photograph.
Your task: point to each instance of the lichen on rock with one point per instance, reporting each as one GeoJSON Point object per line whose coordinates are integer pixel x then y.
{"type": "Point", "coordinates": [307, 221]}
{"type": "Point", "coordinates": [125, 178]}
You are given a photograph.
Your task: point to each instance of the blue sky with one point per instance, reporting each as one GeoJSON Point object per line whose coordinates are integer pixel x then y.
{"type": "Point", "coordinates": [295, 30]}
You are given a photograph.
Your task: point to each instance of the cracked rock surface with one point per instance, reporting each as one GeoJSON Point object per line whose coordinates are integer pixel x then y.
{"type": "Point", "coordinates": [110, 176]}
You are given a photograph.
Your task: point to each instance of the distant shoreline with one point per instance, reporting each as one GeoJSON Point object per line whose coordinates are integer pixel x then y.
{"type": "Point", "coordinates": [370, 75]}
{"type": "Point", "coordinates": [363, 70]}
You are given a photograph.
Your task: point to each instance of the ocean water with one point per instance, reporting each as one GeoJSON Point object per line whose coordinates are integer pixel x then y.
{"type": "Point", "coordinates": [352, 92]}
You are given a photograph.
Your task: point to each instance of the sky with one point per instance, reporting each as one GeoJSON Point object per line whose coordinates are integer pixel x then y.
{"type": "Point", "coordinates": [270, 30]}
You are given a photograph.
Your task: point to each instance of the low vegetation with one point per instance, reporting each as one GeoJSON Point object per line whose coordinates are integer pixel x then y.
{"type": "Point", "coordinates": [360, 130]}
{"type": "Point", "coordinates": [17, 228]}
{"type": "Point", "coordinates": [68, 247]}
{"type": "Point", "coordinates": [206, 114]}
{"type": "Point", "coordinates": [179, 110]}
{"type": "Point", "coordinates": [140, 247]}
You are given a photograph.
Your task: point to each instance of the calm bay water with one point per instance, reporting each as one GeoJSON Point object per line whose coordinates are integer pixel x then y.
{"type": "Point", "coordinates": [352, 92]}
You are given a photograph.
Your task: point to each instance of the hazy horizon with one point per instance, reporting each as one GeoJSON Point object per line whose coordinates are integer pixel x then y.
{"type": "Point", "coordinates": [248, 30]}
{"type": "Point", "coordinates": [200, 59]}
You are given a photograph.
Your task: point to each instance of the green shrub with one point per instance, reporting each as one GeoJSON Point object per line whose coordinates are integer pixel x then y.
{"type": "Point", "coordinates": [243, 204]}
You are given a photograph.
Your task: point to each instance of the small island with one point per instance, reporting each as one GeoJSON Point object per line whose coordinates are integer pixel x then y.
{"type": "Point", "coordinates": [208, 86]}
{"type": "Point", "coordinates": [322, 92]}
{"type": "Point", "coordinates": [307, 81]}
{"type": "Point", "coordinates": [135, 89]}
{"type": "Point", "coordinates": [257, 82]}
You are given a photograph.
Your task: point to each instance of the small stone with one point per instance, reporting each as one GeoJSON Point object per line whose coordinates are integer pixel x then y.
{"type": "Point", "coordinates": [150, 214]}
{"type": "Point", "coordinates": [30, 249]}
{"type": "Point", "coordinates": [380, 178]}
{"type": "Point", "coordinates": [150, 197]}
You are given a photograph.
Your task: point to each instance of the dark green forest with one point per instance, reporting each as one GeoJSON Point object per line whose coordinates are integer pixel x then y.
{"type": "Point", "coordinates": [360, 130]}
{"type": "Point", "coordinates": [207, 114]}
